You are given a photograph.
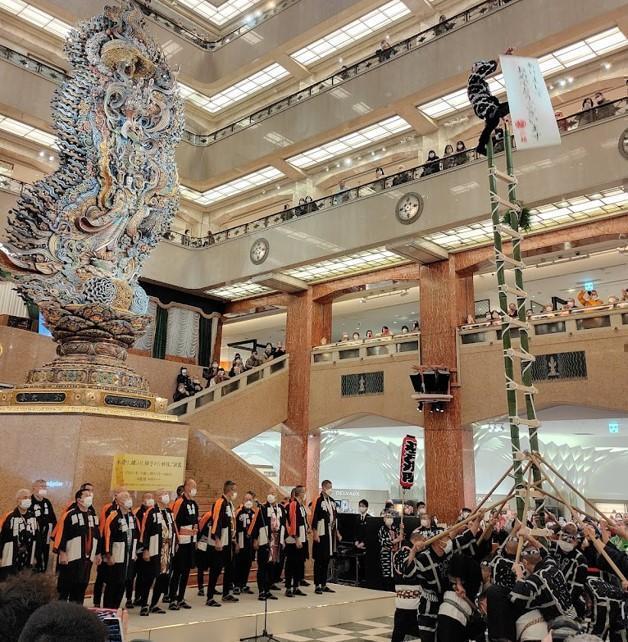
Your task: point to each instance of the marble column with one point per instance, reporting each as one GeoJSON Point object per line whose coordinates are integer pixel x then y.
{"type": "Point", "coordinates": [306, 322]}
{"type": "Point", "coordinates": [445, 300]}
{"type": "Point", "coordinates": [217, 338]}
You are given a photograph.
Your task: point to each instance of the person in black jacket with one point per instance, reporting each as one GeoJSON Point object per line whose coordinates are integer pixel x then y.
{"type": "Point", "coordinates": [46, 522]}
{"type": "Point", "coordinates": [296, 542]}
{"type": "Point", "coordinates": [18, 536]}
{"type": "Point", "coordinates": [325, 536]}
{"type": "Point", "coordinates": [244, 544]}
{"type": "Point", "coordinates": [185, 513]}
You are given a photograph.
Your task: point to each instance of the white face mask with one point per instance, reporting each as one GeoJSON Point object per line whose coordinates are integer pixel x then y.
{"type": "Point", "coordinates": [193, 492]}
{"type": "Point", "coordinates": [88, 500]}
{"type": "Point", "coordinates": [248, 504]}
{"type": "Point", "coordinates": [566, 547]}
{"type": "Point", "coordinates": [362, 509]}
{"type": "Point", "coordinates": [389, 521]}
{"type": "Point", "coordinates": [234, 496]}
{"type": "Point", "coordinates": [271, 499]}
{"type": "Point", "coordinates": [42, 492]}
{"type": "Point", "coordinates": [165, 499]}
{"type": "Point", "coordinates": [128, 503]}
{"type": "Point", "coordinates": [25, 504]}
{"type": "Point", "coordinates": [150, 503]}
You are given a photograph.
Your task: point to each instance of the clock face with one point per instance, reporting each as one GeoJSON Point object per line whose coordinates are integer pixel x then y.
{"type": "Point", "coordinates": [259, 251]}
{"type": "Point", "coordinates": [409, 208]}
{"type": "Point", "coordinates": [623, 144]}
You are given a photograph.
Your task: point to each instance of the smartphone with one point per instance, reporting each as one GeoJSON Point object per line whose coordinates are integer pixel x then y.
{"type": "Point", "coordinates": [109, 617]}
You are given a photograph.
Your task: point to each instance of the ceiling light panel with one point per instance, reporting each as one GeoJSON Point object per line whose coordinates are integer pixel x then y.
{"type": "Point", "coordinates": [237, 92]}
{"type": "Point", "coordinates": [236, 186]}
{"type": "Point", "coordinates": [361, 28]}
{"type": "Point", "coordinates": [558, 60]}
{"type": "Point", "coordinates": [573, 210]}
{"type": "Point", "coordinates": [23, 130]}
{"type": "Point", "coordinates": [238, 291]}
{"type": "Point", "coordinates": [222, 14]}
{"type": "Point", "coordinates": [343, 265]}
{"type": "Point", "coordinates": [346, 144]}
{"type": "Point", "coordinates": [36, 17]}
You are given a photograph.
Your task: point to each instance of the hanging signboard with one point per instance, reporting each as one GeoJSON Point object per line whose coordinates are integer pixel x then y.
{"type": "Point", "coordinates": [407, 462]}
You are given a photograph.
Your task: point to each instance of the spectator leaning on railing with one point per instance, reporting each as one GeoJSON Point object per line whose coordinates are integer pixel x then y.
{"type": "Point", "coordinates": [589, 298]}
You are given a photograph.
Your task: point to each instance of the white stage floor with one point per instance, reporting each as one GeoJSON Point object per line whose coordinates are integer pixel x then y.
{"type": "Point", "coordinates": [233, 622]}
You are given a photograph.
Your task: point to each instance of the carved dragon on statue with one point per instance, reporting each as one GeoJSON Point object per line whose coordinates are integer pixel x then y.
{"type": "Point", "coordinates": [76, 240]}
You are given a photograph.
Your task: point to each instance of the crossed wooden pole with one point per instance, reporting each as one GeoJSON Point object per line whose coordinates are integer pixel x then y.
{"type": "Point", "coordinates": [532, 489]}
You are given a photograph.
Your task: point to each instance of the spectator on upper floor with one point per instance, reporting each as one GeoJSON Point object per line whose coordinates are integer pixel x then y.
{"type": "Point", "coordinates": [342, 195]}
{"type": "Point", "coordinates": [210, 373]}
{"type": "Point", "coordinates": [344, 337]}
{"type": "Point", "coordinates": [254, 361]}
{"type": "Point", "coordinates": [469, 319]}
{"type": "Point", "coordinates": [548, 309]}
{"type": "Point", "coordinates": [279, 350]}
{"type": "Point", "coordinates": [586, 115]}
{"type": "Point", "coordinates": [402, 177]}
{"type": "Point", "coordinates": [496, 317]}
{"type": "Point", "coordinates": [624, 294]}
{"type": "Point", "coordinates": [196, 386]}
{"type": "Point", "coordinates": [221, 376]}
{"type": "Point", "coordinates": [369, 334]}
{"type": "Point", "coordinates": [405, 329]}
{"type": "Point", "coordinates": [184, 378]}
{"type": "Point", "coordinates": [385, 331]}
{"type": "Point", "coordinates": [269, 352]}
{"type": "Point", "coordinates": [449, 160]}
{"type": "Point", "coordinates": [380, 179]}
{"type": "Point", "coordinates": [385, 51]}
{"type": "Point", "coordinates": [185, 240]}
{"type": "Point", "coordinates": [568, 307]}
{"type": "Point", "coordinates": [300, 209]}
{"type": "Point", "coordinates": [180, 393]}
{"type": "Point", "coordinates": [462, 155]}
{"type": "Point", "coordinates": [355, 336]}
{"type": "Point", "coordinates": [589, 298]}
{"type": "Point", "coordinates": [379, 172]}
{"type": "Point", "coordinates": [603, 108]}
{"type": "Point", "coordinates": [512, 310]}
{"type": "Point", "coordinates": [237, 367]}
{"type": "Point", "coordinates": [432, 165]}
{"type": "Point", "coordinates": [310, 205]}
{"type": "Point", "coordinates": [443, 26]}
{"type": "Point", "coordinates": [415, 327]}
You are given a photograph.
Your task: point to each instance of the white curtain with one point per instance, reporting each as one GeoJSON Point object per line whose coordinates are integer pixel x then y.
{"type": "Point", "coordinates": [145, 342]}
{"type": "Point", "coordinates": [10, 302]}
{"type": "Point", "coordinates": [182, 340]}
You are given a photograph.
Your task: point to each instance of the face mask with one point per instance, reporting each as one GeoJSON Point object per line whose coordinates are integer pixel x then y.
{"type": "Point", "coordinates": [388, 521]}
{"type": "Point", "coordinates": [248, 504]}
{"type": "Point", "coordinates": [165, 499]}
{"type": "Point", "coordinates": [193, 492]}
{"type": "Point", "coordinates": [25, 504]}
{"type": "Point", "coordinates": [448, 547]}
{"type": "Point", "coordinates": [425, 523]}
{"type": "Point", "coordinates": [566, 547]}
{"type": "Point", "coordinates": [184, 373]}
{"type": "Point", "coordinates": [465, 514]}
{"type": "Point", "coordinates": [87, 501]}
{"type": "Point", "coordinates": [42, 492]}
{"type": "Point", "coordinates": [234, 496]}
{"type": "Point", "coordinates": [362, 509]}
{"type": "Point", "coordinates": [128, 503]}
{"type": "Point", "coordinates": [150, 503]}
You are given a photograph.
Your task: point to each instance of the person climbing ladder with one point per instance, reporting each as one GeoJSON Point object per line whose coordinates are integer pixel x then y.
{"type": "Point", "coordinates": [485, 105]}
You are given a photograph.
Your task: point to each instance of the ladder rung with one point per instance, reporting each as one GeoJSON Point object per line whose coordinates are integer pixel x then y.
{"type": "Point", "coordinates": [519, 387]}
{"type": "Point", "coordinates": [508, 259]}
{"type": "Point", "coordinates": [520, 421]}
{"type": "Point", "coordinates": [503, 176]}
{"type": "Point", "coordinates": [506, 229]}
{"type": "Point", "coordinates": [515, 207]}
{"type": "Point", "coordinates": [509, 289]}
{"type": "Point", "coordinates": [514, 321]}
{"type": "Point", "coordinates": [519, 354]}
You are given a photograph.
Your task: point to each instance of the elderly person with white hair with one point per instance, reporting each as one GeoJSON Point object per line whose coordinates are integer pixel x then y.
{"type": "Point", "coordinates": [18, 536]}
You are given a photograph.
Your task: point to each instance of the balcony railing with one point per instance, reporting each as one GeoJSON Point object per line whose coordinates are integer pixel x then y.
{"type": "Point", "coordinates": [348, 73]}
{"type": "Point", "coordinates": [425, 170]}
{"type": "Point", "coordinates": [367, 349]}
{"type": "Point", "coordinates": [12, 185]}
{"type": "Point", "coordinates": [576, 322]}
{"type": "Point", "coordinates": [191, 405]}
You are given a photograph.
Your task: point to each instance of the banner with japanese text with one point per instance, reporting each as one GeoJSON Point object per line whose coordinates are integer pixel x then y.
{"type": "Point", "coordinates": [531, 110]}
{"type": "Point", "coordinates": [147, 472]}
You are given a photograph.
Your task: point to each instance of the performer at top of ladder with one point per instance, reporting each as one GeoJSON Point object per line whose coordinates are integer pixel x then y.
{"type": "Point", "coordinates": [485, 105]}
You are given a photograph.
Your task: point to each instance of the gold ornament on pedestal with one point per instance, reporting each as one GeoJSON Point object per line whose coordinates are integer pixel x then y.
{"type": "Point", "coordinates": [76, 240]}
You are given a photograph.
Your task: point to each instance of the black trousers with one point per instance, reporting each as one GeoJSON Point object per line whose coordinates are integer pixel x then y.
{"type": "Point", "coordinates": [243, 563]}
{"type": "Point", "coordinates": [130, 582]}
{"type": "Point", "coordinates": [491, 124]}
{"type": "Point", "coordinates": [321, 563]}
{"type": "Point", "coordinates": [221, 561]}
{"type": "Point", "coordinates": [203, 563]}
{"type": "Point", "coordinates": [182, 562]}
{"type": "Point", "coordinates": [502, 615]}
{"type": "Point", "coordinates": [295, 566]}
{"type": "Point", "coordinates": [70, 589]}
{"type": "Point", "coordinates": [405, 623]}
{"type": "Point", "coordinates": [114, 592]}
{"type": "Point", "coordinates": [160, 588]}
{"type": "Point", "coordinates": [99, 583]}
{"type": "Point", "coordinates": [146, 572]}
{"type": "Point", "coordinates": [264, 570]}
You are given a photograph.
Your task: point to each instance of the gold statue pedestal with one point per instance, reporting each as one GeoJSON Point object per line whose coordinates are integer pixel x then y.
{"type": "Point", "coordinates": [89, 374]}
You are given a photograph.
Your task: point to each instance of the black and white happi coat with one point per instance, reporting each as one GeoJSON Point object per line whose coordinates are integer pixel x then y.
{"type": "Point", "coordinates": [484, 104]}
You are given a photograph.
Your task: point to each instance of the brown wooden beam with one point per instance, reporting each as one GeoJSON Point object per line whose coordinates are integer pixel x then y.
{"type": "Point", "coordinates": [279, 299]}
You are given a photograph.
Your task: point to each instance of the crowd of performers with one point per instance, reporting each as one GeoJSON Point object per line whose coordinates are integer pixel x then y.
{"type": "Point", "coordinates": [497, 581]}
{"type": "Point", "coordinates": [146, 553]}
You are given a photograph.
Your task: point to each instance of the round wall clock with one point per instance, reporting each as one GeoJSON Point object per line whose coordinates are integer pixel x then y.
{"type": "Point", "coordinates": [259, 251]}
{"type": "Point", "coordinates": [409, 207]}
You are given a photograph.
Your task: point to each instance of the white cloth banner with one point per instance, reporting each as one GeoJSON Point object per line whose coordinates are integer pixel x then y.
{"type": "Point", "coordinates": [182, 340]}
{"type": "Point", "coordinates": [10, 302]}
{"type": "Point", "coordinates": [531, 111]}
{"type": "Point", "coordinates": [145, 342]}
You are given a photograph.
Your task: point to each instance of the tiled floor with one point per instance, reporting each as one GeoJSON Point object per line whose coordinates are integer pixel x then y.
{"type": "Point", "coordinates": [375, 630]}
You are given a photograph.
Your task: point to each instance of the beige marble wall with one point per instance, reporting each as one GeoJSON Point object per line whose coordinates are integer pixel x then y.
{"type": "Point", "coordinates": [20, 351]}
{"type": "Point", "coordinates": [71, 449]}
